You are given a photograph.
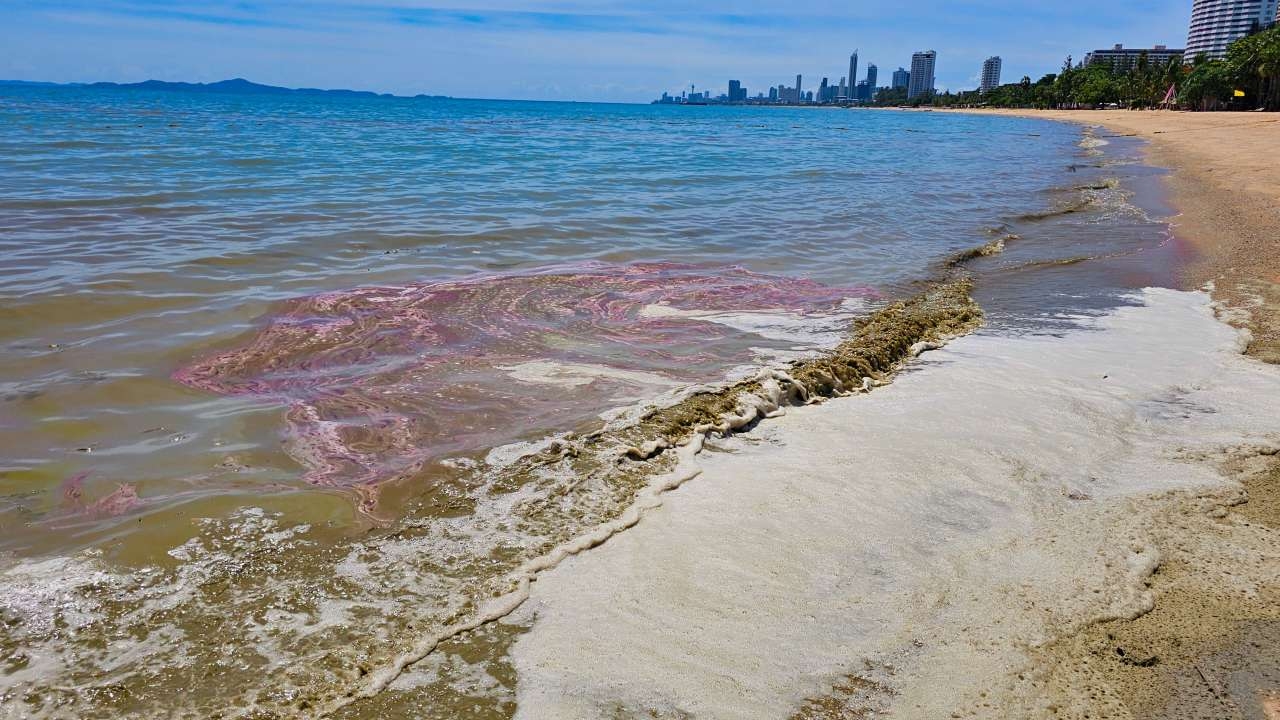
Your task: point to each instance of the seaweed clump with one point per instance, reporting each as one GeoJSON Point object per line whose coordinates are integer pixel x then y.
{"type": "Point", "coordinates": [890, 336]}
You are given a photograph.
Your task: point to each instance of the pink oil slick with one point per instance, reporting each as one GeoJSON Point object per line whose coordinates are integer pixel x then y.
{"type": "Point", "coordinates": [122, 500]}
{"type": "Point", "coordinates": [378, 382]}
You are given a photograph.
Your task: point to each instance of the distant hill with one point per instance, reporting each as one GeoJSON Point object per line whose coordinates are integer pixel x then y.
{"type": "Point", "coordinates": [237, 86]}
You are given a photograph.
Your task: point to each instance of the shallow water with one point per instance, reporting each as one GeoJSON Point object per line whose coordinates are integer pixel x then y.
{"type": "Point", "coordinates": [263, 361]}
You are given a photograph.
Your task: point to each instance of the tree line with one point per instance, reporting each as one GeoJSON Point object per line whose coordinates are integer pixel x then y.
{"type": "Point", "coordinates": [1248, 78]}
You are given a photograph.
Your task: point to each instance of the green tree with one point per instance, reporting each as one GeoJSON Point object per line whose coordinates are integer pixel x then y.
{"type": "Point", "coordinates": [1208, 85]}
{"type": "Point", "coordinates": [1254, 63]}
{"type": "Point", "coordinates": [1095, 85]}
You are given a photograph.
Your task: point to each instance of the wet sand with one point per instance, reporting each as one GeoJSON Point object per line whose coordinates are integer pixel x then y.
{"type": "Point", "coordinates": [1225, 183]}
{"type": "Point", "coordinates": [1206, 649]}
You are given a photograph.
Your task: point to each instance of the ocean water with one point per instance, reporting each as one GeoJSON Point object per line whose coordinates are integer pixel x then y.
{"type": "Point", "coordinates": [266, 364]}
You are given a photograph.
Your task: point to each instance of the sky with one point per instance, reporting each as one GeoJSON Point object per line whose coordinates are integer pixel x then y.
{"type": "Point", "coordinates": [606, 50]}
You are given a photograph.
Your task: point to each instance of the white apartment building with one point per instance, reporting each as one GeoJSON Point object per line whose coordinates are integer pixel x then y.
{"type": "Point", "coordinates": [1215, 24]}
{"type": "Point", "coordinates": [990, 74]}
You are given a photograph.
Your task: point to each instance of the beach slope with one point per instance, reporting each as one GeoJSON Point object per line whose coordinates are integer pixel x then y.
{"type": "Point", "coordinates": [1225, 183]}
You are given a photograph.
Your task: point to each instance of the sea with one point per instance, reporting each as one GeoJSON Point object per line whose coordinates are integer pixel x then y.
{"type": "Point", "coordinates": [293, 388]}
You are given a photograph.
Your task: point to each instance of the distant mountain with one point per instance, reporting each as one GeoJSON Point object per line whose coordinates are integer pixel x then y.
{"type": "Point", "coordinates": [32, 83]}
{"type": "Point", "coordinates": [237, 86]}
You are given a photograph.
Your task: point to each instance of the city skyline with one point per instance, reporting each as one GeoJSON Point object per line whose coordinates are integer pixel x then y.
{"type": "Point", "coordinates": [520, 49]}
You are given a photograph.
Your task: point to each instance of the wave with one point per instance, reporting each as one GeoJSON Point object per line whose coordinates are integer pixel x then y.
{"type": "Point", "coordinates": [994, 247]}
{"type": "Point", "coordinates": [1068, 208]}
{"type": "Point", "coordinates": [878, 346]}
{"type": "Point", "coordinates": [249, 587]}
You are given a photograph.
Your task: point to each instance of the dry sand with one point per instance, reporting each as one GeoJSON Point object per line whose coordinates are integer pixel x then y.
{"type": "Point", "coordinates": [1203, 651]}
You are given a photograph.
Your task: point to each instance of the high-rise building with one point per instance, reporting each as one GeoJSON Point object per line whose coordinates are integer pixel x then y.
{"type": "Point", "coordinates": [901, 78]}
{"type": "Point", "coordinates": [737, 93]}
{"type": "Point", "coordinates": [863, 92]}
{"type": "Point", "coordinates": [773, 94]}
{"type": "Point", "coordinates": [853, 74]}
{"type": "Point", "coordinates": [799, 92]}
{"type": "Point", "coordinates": [1215, 24]}
{"type": "Point", "coordinates": [844, 91]}
{"type": "Point", "coordinates": [790, 96]}
{"type": "Point", "coordinates": [873, 73]}
{"type": "Point", "coordinates": [823, 90]}
{"type": "Point", "coordinates": [921, 81]}
{"type": "Point", "coordinates": [990, 74]}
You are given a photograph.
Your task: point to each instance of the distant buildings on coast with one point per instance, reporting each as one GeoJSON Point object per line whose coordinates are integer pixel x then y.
{"type": "Point", "coordinates": [921, 81]}
{"type": "Point", "coordinates": [848, 90]}
{"type": "Point", "coordinates": [1122, 59]}
{"type": "Point", "coordinates": [1215, 24]}
{"type": "Point", "coordinates": [990, 74]}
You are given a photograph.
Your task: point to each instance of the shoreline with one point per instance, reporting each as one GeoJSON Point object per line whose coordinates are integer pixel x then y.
{"type": "Point", "coordinates": [1131, 593]}
{"type": "Point", "coordinates": [1203, 651]}
{"type": "Point", "coordinates": [1225, 184]}
{"type": "Point", "coordinates": [1015, 525]}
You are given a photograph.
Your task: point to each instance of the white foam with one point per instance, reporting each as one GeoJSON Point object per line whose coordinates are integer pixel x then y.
{"type": "Point", "coordinates": [976, 507]}
{"type": "Point", "coordinates": [824, 330]}
{"type": "Point", "coordinates": [564, 374]}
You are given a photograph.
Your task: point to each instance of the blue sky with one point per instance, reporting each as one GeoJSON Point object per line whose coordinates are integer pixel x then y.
{"type": "Point", "coordinates": [614, 50]}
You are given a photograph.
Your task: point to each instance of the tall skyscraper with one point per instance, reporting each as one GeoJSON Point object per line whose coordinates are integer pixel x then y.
{"type": "Point", "coordinates": [901, 78]}
{"type": "Point", "coordinates": [843, 94]}
{"type": "Point", "coordinates": [990, 74]}
{"type": "Point", "coordinates": [921, 82]}
{"type": "Point", "coordinates": [736, 93]}
{"type": "Point", "coordinates": [853, 73]}
{"type": "Point", "coordinates": [873, 74]}
{"type": "Point", "coordinates": [1215, 24]}
{"type": "Point", "coordinates": [799, 92]}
